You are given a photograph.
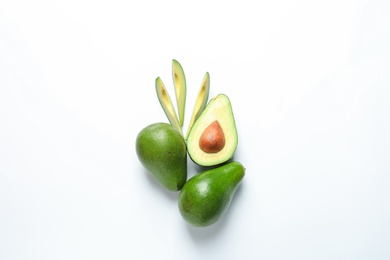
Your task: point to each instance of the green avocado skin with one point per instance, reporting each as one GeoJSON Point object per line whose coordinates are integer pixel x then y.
{"type": "Point", "coordinates": [161, 149]}
{"type": "Point", "coordinates": [207, 195]}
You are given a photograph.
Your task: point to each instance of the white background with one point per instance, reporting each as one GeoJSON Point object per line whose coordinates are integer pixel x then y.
{"type": "Point", "coordinates": [309, 83]}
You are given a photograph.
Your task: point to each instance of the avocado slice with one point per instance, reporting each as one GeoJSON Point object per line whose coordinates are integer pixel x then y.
{"type": "Point", "coordinates": [179, 81]}
{"type": "Point", "coordinates": [166, 104]}
{"type": "Point", "coordinates": [213, 138]}
{"type": "Point", "coordinates": [201, 101]}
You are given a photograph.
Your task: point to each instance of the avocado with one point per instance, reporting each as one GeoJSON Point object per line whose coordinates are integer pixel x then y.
{"type": "Point", "coordinates": [161, 149]}
{"type": "Point", "coordinates": [207, 195]}
{"type": "Point", "coordinates": [201, 101]}
{"type": "Point", "coordinates": [166, 104]}
{"type": "Point", "coordinates": [179, 81]}
{"type": "Point", "coordinates": [213, 138]}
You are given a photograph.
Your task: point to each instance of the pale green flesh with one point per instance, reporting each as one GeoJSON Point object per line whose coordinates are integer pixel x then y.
{"type": "Point", "coordinates": [201, 101]}
{"type": "Point", "coordinates": [179, 81]}
{"type": "Point", "coordinates": [166, 104]}
{"type": "Point", "coordinates": [219, 108]}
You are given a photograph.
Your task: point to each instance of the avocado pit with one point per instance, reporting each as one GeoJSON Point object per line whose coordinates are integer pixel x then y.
{"type": "Point", "coordinates": [212, 139]}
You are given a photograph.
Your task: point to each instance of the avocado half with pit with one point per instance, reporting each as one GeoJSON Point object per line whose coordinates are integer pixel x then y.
{"type": "Point", "coordinates": [213, 138]}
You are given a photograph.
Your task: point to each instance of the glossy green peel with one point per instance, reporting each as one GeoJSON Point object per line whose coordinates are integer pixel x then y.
{"type": "Point", "coordinates": [211, 140]}
{"type": "Point", "coordinates": [161, 149]}
{"type": "Point", "coordinates": [206, 196]}
{"type": "Point", "coordinates": [166, 104]}
{"type": "Point", "coordinates": [179, 81]}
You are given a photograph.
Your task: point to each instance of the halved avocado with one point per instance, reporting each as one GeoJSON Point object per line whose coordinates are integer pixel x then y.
{"type": "Point", "coordinates": [213, 138]}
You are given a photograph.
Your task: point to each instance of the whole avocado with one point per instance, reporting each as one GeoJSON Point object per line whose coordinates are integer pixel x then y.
{"type": "Point", "coordinates": [207, 195]}
{"type": "Point", "coordinates": [162, 150]}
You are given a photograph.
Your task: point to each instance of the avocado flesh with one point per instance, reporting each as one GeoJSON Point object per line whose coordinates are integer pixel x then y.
{"type": "Point", "coordinates": [179, 81]}
{"type": "Point", "coordinates": [218, 109]}
{"type": "Point", "coordinates": [166, 104]}
{"type": "Point", "coordinates": [161, 149]}
{"type": "Point", "coordinates": [206, 196]}
{"type": "Point", "coordinates": [201, 101]}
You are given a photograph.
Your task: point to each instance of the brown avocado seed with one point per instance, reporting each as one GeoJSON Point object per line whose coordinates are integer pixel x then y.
{"type": "Point", "coordinates": [212, 139]}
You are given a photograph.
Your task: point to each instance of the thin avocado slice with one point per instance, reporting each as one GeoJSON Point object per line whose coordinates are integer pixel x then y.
{"type": "Point", "coordinates": [179, 81]}
{"type": "Point", "coordinates": [201, 101]}
{"type": "Point", "coordinates": [166, 104]}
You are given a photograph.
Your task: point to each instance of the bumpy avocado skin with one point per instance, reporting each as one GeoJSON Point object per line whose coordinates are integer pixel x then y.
{"type": "Point", "coordinates": [162, 150]}
{"type": "Point", "coordinates": [207, 195]}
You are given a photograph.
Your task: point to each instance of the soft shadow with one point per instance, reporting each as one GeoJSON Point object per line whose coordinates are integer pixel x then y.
{"type": "Point", "coordinates": [202, 235]}
{"type": "Point", "coordinates": [192, 166]}
{"type": "Point", "coordinates": [171, 195]}
{"type": "Point", "coordinates": [200, 168]}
